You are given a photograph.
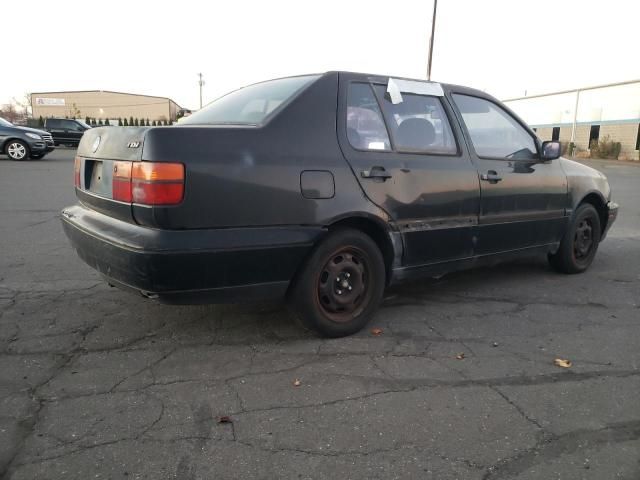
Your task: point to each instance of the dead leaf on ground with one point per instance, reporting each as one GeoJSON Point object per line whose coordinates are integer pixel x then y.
{"type": "Point", "coordinates": [224, 419]}
{"type": "Point", "coordinates": [376, 331]}
{"type": "Point", "coordinates": [297, 382]}
{"type": "Point", "coordinates": [562, 362]}
{"type": "Point", "coordinates": [460, 356]}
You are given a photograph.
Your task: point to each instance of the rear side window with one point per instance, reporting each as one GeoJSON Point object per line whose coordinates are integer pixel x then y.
{"type": "Point", "coordinates": [51, 123]}
{"type": "Point", "coordinates": [365, 126]}
{"type": "Point", "coordinates": [418, 124]}
{"type": "Point", "coordinates": [494, 133]}
{"type": "Point", "coordinates": [249, 105]}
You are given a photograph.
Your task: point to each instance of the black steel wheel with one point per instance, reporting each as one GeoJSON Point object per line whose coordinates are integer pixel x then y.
{"type": "Point", "coordinates": [580, 243]}
{"type": "Point", "coordinates": [341, 284]}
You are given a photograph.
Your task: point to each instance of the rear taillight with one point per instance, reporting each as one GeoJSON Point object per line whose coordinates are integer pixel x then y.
{"type": "Point", "coordinates": [76, 171]}
{"type": "Point", "coordinates": [121, 184]}
{"type": "Point", "coordinates": [148, 183]}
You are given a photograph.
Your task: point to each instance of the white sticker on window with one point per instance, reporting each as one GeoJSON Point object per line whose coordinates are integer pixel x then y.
{"type": "Point", "coordinates": [376, 146]}
{"type": "Point", "coordinates": [394, 92]}
{"type": "Point", "coordinates": [413, 86]}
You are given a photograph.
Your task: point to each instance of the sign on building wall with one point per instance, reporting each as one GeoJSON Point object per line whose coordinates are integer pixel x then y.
{"type": "Point", "coordinates": [55, 102]}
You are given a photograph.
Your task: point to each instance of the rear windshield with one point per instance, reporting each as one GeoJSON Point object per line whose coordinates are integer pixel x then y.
{"type": "Point", "coordinates": [249, 105]}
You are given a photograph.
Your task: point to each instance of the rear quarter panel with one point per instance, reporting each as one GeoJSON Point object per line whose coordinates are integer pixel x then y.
{"type": "Point", "coordinates": [250, 176]}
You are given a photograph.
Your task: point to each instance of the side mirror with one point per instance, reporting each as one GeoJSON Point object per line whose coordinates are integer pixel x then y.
{"type": "Point", "coordinates": [550, 150]}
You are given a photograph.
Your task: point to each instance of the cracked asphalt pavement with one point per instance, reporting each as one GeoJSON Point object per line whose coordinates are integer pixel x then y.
{"type": "Point", "coordinates": [99, 383]}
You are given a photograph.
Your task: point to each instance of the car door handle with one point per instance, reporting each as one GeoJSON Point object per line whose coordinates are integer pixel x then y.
{"type": "Point", "coordinates": [491, 176]}
{"type": "Point", "coordinates": [376, 172]}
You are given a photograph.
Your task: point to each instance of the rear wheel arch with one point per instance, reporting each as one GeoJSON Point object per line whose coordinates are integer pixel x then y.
{"type": "Point", "coordinates": [376, 231]}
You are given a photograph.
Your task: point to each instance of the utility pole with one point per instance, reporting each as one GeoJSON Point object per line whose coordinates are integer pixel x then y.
{"type": "Point", "coordinates": [433, 32]}
{"type": "Point", "coordinates": [575, 118]}
{"type": "Point", "coordinates": [201, 83]}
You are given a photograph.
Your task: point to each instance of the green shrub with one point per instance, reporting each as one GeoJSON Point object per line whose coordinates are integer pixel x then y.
{"type": "Point", "coordinates": [120, 121]}
{"type": "Point", "coordinates": [605, 148]}
{"type": "Point", "coordinates": [41, 121]}
{"type": "Point", "coordinates": [131, 121]}
{"type": "Point", "coordinates": [107, 122]}
{"type": "Point", "coordinates": [126, 122]}
{"type": "Point", "coordinates": [153, 124]}
{"type": "Point", "coordinates": [87, 120]}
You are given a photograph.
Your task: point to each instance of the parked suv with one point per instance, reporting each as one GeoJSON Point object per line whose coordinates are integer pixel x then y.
{"type": "Point", "coordinates": [21, 143]}
{"type": "Point", "coordinates": [324, 189]}
{"type": "Point", "coordinates": [65, 131]}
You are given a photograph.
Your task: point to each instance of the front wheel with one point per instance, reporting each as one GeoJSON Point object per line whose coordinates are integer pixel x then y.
{"type": "Point", "coordinates": [580, 243]}
{"type": "Point", "coordinates": [341, 284]}
{"type": "Point", "coordinates": [17, 150]}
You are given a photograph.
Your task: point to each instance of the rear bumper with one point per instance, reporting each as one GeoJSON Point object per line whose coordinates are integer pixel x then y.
{"type": "Point", "coordinates": [612, 214]}
{"type": "Point", "coordinates": [190, 266]}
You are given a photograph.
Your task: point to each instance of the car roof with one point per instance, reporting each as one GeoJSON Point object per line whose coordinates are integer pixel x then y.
{"type": "Point", "coordinates": [449, 87]}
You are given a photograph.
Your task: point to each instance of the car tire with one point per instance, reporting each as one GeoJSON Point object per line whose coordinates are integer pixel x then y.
{"type": "Point", "coordinates": [17, 150]}
{"type": "Point", "coordinates": [340, 286]}
{"type": "Point", "coordinates": [580, 243]}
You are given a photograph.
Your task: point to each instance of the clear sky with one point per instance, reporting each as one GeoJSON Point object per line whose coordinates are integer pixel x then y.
{"type": "Point", "coordinates": [158, 47]}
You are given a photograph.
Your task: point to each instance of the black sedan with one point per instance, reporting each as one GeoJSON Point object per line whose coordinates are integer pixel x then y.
{"type": "Point", "coordinates": [21, 143]}
{"type": "Point", "coordinates": [324, 189]}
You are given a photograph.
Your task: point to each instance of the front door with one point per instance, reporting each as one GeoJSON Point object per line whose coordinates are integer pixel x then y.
{"type": "Point", "coordinates": [408, 161]}
{"type": "Point", "coordinates": [523, 198]}
{"type": "Point", "coordinates": [73, 131]}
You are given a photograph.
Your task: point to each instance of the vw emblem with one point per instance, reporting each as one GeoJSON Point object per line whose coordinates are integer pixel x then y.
{"type": "Point", "coordinates": [96, 144]}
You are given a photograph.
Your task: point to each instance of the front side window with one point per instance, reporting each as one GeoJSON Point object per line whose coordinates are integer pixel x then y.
{"type": "Point", "coordinates": [69, 125]}
{"type": "Point", "coordinates": [494, 133]}
{"type": "Point", "coordinates": [418, 123]}
{"type": "Point", "coordinates": [365, 126]}
{"type": "Point", "coordinates": [4, 123]}
{"type": "Point", "coordinates": [249, 105]}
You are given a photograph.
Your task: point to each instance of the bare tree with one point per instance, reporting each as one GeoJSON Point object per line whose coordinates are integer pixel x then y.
{"type": "Point", "coordinates": [74, 111]}
{"type": "Point", "coordinates": [25, 104]}
{"type": "Point", "coordinates": [8, 112]}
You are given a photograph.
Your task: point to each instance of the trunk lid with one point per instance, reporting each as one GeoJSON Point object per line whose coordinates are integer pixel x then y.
{"type": "Point", "coordinates": [98, 153]}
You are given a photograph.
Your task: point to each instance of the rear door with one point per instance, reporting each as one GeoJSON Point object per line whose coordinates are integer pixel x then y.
{"type": "Point", "coordinates": [55, 127]}
{"type": "Point", "coordinates": [523, 198]}
{"type": "Point", "coordinates": [72, 131]}
{"type": "Point", "coordinates": [412, 166]}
